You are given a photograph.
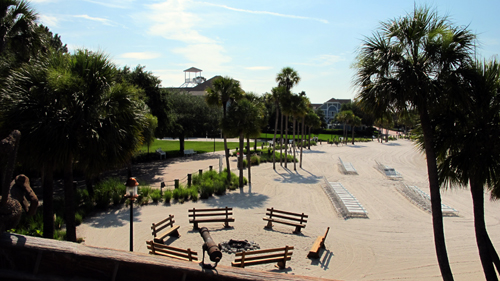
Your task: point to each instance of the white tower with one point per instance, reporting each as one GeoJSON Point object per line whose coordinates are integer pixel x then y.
{"type": "Point", "coordinates": [190, 82]}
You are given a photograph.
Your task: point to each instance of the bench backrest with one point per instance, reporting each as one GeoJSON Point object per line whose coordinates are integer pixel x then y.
{"type": "Point", "coordinates": [214, 212]}
{"type": "Point", "coordinates": [172, 252]}
{"type": "Point", "coordinates": [301, 218]}
{"type": "Point", "coordinates": [286, 249]}
{"type": "Point", "coordinates": [157, 227]}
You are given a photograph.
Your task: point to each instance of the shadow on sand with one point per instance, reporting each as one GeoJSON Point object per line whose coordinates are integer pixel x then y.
{"type": "Point", "coordinates": [115, 217]}
{"type": "Point", "coordinates": [294, 177]}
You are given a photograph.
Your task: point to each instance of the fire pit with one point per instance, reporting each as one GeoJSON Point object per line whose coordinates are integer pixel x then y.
{"type": "Point", "coordinates": [235, 246]}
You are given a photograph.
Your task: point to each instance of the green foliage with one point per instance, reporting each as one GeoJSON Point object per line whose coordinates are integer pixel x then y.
{"type": "Point", "coordinates": [110, 188]}
{"type": "Point", "coordinates": [78, 219]}
{"type": "Point", "coordinates": [193, 193]}
{"type": "Point", "coordinates": [167, 195]}
{"type": "Point", "coordinates": [156, 195]}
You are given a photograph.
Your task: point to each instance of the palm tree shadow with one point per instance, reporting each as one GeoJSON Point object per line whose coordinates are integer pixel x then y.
{"type": "Point", "coordinates": [295, 177]}
{"type": "Point", "coordinates": [243, 200]}
{"type": "Point", "coordinates": [114, 218]}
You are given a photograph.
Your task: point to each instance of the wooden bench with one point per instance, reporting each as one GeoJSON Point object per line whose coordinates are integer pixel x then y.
{"type": "Point", "coordinates": [171, 252]}
{"type": "Point", "coordinates": [188, 152]}
{"type": "Point", "coordinates": [216, 215]}
{"type": "Point", "coordinates": [161, 153]}
{"type": "Point", "coordinates": [319, 243]}
{"type": "Point", "coordinates": [157, 227]}
{"type": "Point", "coordinates": [278, 255]}
{"type": "Point", "coordinates": [294, 219]}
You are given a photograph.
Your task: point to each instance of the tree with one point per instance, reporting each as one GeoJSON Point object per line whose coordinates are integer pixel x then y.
{"type": "Point", "coordinates": [191, 115]}
{"type": "Point", "coordinates": [287, 78]}
{"type": "Point", "coordinates": [253, 124]}
{"type": "Point", "coordinates": [312, 120]}
{"type": "Point", "coordinates": [69, 112]}
{"type": "Point", "coordinates": [321, 115]}
{"type": "Point", "coordinates": [467, 147]}
{"type": "Point", "coordinates": [355, 122]}
{"type": "Point", "coordinates": [224, 91]}
{"type": "Point", "coordinates": [404, 65]}
{"type": "Point", "coordinates": [277, 93]}
{"type": "Point", "coordinates": [17, 27]}
{"type": "Point", "coordinates": [241, 116]}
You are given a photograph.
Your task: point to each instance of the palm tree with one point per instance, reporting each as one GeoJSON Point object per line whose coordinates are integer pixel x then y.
{"type": "Point", "coordinates": [298, 110]}
{"type": "Point", "coordinates": [277, 93]}
{"type": "Point", "coordinates": [467, 144]}
{"type": "Point", "coordinates": [312, 120]}
{"type": "Point", "coordinates": [305, 106]}
{"type": "Point", "coordinates": [224, 90]}
{"type": "Point", "coordinates": [403, 66]}
{"type": "Point", "coordinates": [253, 124]}
{"type": "Point", "coordinates": [18, 27]}
{"type": "Point", "coordinates": [355, 122]}
{"type": "Point", "coordinates": [287, 78]}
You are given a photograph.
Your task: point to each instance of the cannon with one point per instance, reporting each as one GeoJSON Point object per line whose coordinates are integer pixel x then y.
{"type": "Point", "coordinates": [211, 247]}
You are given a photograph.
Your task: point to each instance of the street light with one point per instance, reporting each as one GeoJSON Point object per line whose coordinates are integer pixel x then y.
{"type": "Point", "coordinates": [131, 194]}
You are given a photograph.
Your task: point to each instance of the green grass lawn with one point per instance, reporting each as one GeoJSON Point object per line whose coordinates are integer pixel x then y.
{"type": "Point", "coordinates": [172, 147]}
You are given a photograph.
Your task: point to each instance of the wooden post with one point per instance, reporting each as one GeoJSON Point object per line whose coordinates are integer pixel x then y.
{"type": "Point", "coordinates": [189, 180]}
{"type": "Point", "coordinates": [200, 172]}
{"type": "Point", "coordinates": [226, 223]}
{"type": "Point", "coordinates": [189, 254]}
{"type": "Point", "coordinates": [176, 183]}
{"type": "Point", "coordinates": [210, 168]}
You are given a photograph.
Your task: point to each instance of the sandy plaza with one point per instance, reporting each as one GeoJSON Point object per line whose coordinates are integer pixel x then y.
{"type": "Point", "coordinates": [394, 242]}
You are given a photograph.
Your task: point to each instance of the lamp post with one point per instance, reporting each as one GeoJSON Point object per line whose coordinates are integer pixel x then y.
{"type": "Point", "coordinates": [131, 194]}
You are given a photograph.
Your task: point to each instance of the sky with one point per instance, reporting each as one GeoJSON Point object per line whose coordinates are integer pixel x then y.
{"type": "Point", "coordinates": [250, 41]}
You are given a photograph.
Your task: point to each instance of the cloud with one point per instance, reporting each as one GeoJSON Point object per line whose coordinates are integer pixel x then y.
{"type": "Point", "coordinates": [323, 60]}
{"type": "Point", "coordinates": [173, 21]}
{"type": "Point", "coordinates": [141, 55]}
{"type": "Point", "coordinates": [101, 20]}
{"type": "Point", "coordinates": [266, 13]}
{"type": "Point", "coordinates": [259, 67]}
{"type": "Point", "coordinates": [122, 4]}
{"type": "Point", "coordinates": [48, 20]}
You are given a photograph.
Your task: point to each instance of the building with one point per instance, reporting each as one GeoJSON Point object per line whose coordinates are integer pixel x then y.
{"type": "Point", "coordinates": [194, 83]}
{"type": "Point", "coordinates": [330, 108]}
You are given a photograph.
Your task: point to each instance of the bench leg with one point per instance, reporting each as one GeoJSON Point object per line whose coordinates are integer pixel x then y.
{"type": "Point", "coordinates": [297, 230]}
{"type": "Point", "coordinates": [269, 225]}
{"type": "Point", "coordinates": [175, 233]}
{"type": "Point", "coordinates": [281, 265]}
{"type": "Point", "coordinates": [195, 225]}
{"type": "Point", "coordinates": [226, 224]}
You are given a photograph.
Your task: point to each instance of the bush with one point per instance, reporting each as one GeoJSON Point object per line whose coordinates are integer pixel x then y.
{"type": "Point", "coordinates": [167, 195]}
{"type": "Point", "coordinates": [156, 195]}
{"type": "Point", "coordinates": [108, 189]}
{"type": "Point", "coordinates": [219, 187]}
{"type": "Point", "coordinates": [78, 219]}
{"type": "Point", "coordinates": [206, 188]}
{"type": "Point", "coordinates": [255, 160]}
{"type": "Point", "coordinates": [193, 193]}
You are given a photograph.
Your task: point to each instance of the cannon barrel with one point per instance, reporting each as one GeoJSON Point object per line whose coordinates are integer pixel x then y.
{"type": "Point", "coordinates": [210, 246]}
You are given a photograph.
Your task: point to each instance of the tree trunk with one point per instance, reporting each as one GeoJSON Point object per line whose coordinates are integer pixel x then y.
{"type": "Point", "coordinates": [48, 202]}
{"type": "Point", "coordinates": [69, 201]}
{"type": "Point", "coordinates": [437, 214]}
{"type": "Point", "coordinates": [281, 139]}
{"type": "Point", "coordinates": [181, 144]}
{"type": "Point", "coordinates": [240, 160]}
{"type": "Point", "coordinates": [309, 141]}
{"type": "Point", "coordinates": [294, 145]}
{"type": "Point", "coordinates": [480, 229]}
{"type": "Point", "coordinates": [274, 139]}
{"type": "Point", "coordinates": [352, 130]}
{"type": "Point", "coordinates": [226, 151]}
{"type": "Point", "coordinates": [286, 141]}
{"type": "Point", "coordinates": [249, 161]}
{"type": "Point", "coordinates": [302, 140]}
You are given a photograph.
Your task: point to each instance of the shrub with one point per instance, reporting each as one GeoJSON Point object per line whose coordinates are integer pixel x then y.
{"type": "Point", "coordinates": [196, 179]}
{"type": "Point", "coordinates": [167, 195]}
{"type": "Point", "coordinates": [156, 195]}
{"type": "Point", "coordinates": [255, 160]}
{"type": "Point", "coordinates": [206, 189]}
{"type": "Point", "coordinates": [58, 223]}
{"type": "Point", "coordinates": [78, 219]}
{"type": "Point", "coordinates": [219, 187]}
{"type": "Point", "coordinates": [193, 193]}
{"type": "Point", "coordinates": [108, 189]}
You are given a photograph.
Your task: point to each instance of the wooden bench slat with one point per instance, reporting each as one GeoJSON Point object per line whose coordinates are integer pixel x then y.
{"type": "Point", "coordinates": [212, 220]}
{"type": "Point", "coordinates": [174, 256]}
{"type": "Point", "coordinates": [166, 233]}
{"type": "Point", "coordinates": [160, 226]}
{"type": "Point", "coordinates": [285, 212]}
{"type": "Point", "coordinates": [214, 209]}
{"type": "Point", "coordinates": [263, 251]}
{"type": "Point", "coordinates": [260, 261]}
{"type": "Point", "coordinates": [252, 258]}
{"type": "Point", "coordinates": [318, 244]}
{"type": "Point", "coordinates": [285, 217]}
{"type": "Point", "coordinates": [163, 246]}
{"type": "Point", "coordinates": [284, 222]}
{"type": "Point", "coordinates": [172, 252]}
{"type": "Point", "coordinates": [157, 229]}
{"type": "Point", "coordinates": [210, 214]}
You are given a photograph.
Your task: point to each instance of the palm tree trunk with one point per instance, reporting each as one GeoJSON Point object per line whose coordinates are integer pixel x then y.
{"type": "Point", "coordinates": [352, 130]}
{"type": "Point", "coordinates": [240, 160]}
{"type": "Point", "coordinates": [48, 201]}
{"type": "Point", "coordinates": [309, 139]}
{"type": "Point", "coordinates": [69, 201]}
{"type": "Point", "coordinates": [281, 139]}
{"type": "Point", "coordinates": [181, 144]}
{"type": "Point", "coordinates": [480, 229]}
{"type": "Point", "coordinates": [286, 141]}
{"type": "Point", "coordinates": [274, 139]}
{"type": "Point", "coordinates": [226, 152]}
{"type": "Point", "coordinates": [437, 214]}
{"type": "Point", "coordinates": [302, 140]}
{"type": "Point", "coordinates": [294, 145]}
{"type": "Point", "coordinates": [249, 161]}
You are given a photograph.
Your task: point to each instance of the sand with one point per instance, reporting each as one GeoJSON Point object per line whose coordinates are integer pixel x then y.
{"type": "Point", "coordinates": [394, 242]}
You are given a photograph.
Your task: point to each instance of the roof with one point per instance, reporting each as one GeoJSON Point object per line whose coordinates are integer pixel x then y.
{"type": "Point", "coordinates": [204, 85]}
{"type": "Point", "coordinates": [339, 100]}
{"type": "Point", "coordinates": [193, 69]}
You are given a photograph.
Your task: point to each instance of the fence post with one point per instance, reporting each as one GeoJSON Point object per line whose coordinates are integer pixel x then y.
{"type": "Point", "coordinates": [189, 180]}
{"type": "Point", "coordinates": [210, 168]}
{"type": "Point", "coordinates": [176, 183]}
{"type": "Point", "coordinates": [201, 172]}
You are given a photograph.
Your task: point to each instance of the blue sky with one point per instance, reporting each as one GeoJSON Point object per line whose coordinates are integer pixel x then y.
{"type": "Point", "coordinates": [250, 41]}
